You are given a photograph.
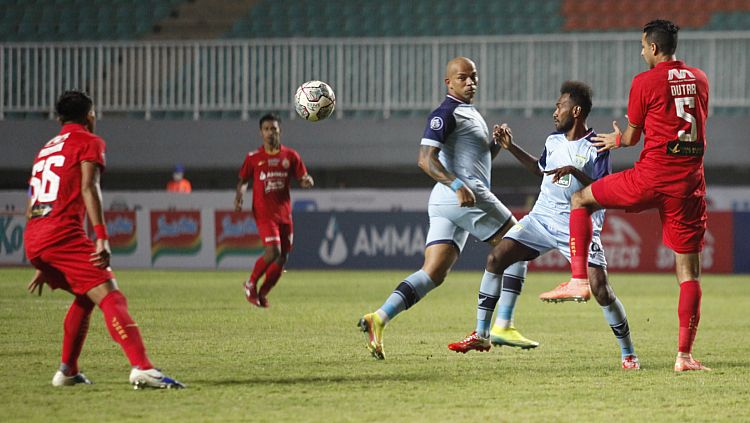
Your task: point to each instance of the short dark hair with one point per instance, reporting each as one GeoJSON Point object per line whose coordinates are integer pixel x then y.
{"type": "Point", "coordinates": [269, 117]}
{"type": "Point", "coordinates": [663, 33]}
{"type": "Point", "coordinates": [580, 94]}
{"type": "Point", "coordinates": [73, 106]}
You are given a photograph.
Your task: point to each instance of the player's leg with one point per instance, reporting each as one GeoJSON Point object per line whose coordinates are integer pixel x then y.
{"type": "Point", "coordinates": [275, 269]}
{"type": "Point", "coordinates": [582, 205]}
{"type": "Point", "coordinates": [75, 329]}
{"type": "Point", "coordinates": [270, 236]}
{"type": "Point", "coordinates": [123, 330]}
{"type": "Point", "coordinates": [683, 229]}
{"type": "Point", "coordinates": [687, 268]}
{"type": "Point", "coordinates": [614, 314]}
{"type": "Point", "coordinates": [444, 243]}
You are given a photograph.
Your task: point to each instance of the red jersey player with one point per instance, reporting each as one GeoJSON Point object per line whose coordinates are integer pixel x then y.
{"type": "Point", "coordinates": [271, 167]}
{"type": "Point", "coordinates": [64, 186]}
{"type": "Point", "coordinates": [669, 104]}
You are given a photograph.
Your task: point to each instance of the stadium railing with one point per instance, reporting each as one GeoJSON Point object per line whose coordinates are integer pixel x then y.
{"type": "Point", "coordinates": [380, 76]}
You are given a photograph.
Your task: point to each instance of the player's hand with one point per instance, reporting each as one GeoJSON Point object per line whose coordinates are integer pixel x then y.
{"type": "Point", "coordinates": [37, 282]}
{"type": "Point", "coordinates": [100, 257]}
{"type": "Point", "coordinates": [238, 204]}
{"type": "Point", "coordinates": [306, 181]}
{"type": "Point", "coordinates": [503, 135]}
{"type": "Point", "coordinates": [560, 172]}
{"type": "Point", "coordinates": [466, 197]}
{"type": "Point", "coordinates": [604, 142]}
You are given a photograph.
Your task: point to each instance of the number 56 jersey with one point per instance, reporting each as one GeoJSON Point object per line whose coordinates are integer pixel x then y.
{"type": "Point", "coordinates": [57, 207]}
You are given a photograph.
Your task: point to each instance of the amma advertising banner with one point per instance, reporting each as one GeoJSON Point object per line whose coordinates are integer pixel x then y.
{"type": "Point", "coordinates": [632, 243]}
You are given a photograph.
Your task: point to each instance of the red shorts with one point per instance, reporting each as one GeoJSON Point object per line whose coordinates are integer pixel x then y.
{"type": "Point", "coordinates": [66, 266]}
{"type": "Point", "coordinates": [683, 220]}
{"type": "Point", "coordinates": [273, 233]}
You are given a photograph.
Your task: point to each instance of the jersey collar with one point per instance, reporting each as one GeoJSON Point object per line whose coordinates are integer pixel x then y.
{"type": "Point", "coordinates": [455, 99]}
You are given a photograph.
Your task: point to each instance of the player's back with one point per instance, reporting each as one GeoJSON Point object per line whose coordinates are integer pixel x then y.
{"type": "Point", "coordinates": [670, 103]}
{"type": "Point", "coordinates": [57, 207]}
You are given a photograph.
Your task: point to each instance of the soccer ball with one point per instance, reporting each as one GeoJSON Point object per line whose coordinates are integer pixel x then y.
{"type": "Point", "coordinates": [314, 101]}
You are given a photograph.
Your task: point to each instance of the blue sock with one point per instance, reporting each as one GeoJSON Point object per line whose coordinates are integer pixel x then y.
{"type": "Point", "coordinates": [618, 321]}
{"type": "Point", "coordinates": [489, 293]}
{"type": "Point", "coordinates": [512, 287]}
{"type": "Point", "coordinates": [407, 293]}
{"type": "Point", "coordinates": [513, 279]}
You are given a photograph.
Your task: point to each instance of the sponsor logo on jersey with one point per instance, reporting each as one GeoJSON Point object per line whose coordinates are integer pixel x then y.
{"type": "Point", "coordinates": [685, 148]}
{"type": "Point", "coordinates": [679, 74]}
{"type": "Point", "coordinates": [436, 123]}
{"type": "Point", "coordinates": [285, 163]}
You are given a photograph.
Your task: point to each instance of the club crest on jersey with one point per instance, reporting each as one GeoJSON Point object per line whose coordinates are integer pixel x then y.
{"type": "Point", "coordinates": [285, 163]}
{"type": "Point", "coordinates": [436, 123]}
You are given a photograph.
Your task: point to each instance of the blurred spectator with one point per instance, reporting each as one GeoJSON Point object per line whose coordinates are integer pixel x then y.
{"type": "Point", "coordinates": [178, 182]}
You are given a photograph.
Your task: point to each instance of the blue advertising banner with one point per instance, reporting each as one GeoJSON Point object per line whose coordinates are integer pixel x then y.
{"type": "Point", "coordinates": [369, 240]}
{"type": "Point", "coordinates": [741, 242]}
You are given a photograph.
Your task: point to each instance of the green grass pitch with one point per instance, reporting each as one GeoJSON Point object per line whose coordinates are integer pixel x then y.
{"type": "Point", "coordinates": [304, 360]}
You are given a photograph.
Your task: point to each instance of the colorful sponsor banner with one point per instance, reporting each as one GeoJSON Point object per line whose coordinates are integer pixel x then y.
{"type": "Point", "coordinates": [175, 233]}
{"type": "Point", "coordinates": [122, 230]}
{"type": "Point", "coordinates": [632, 243]}
{"type": "Point", "coordinates": [236, 234]}
{"type": "Point", "coordinates": [12, 226]}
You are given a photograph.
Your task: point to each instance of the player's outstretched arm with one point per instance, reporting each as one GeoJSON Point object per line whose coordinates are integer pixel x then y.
{"type": "Point", "coordinates": [617, 139]}
{"type": "Point", "coordinates": [430, 164]}
{"type": "Point", "coordinates": [572, 170]}
{"type": "Point", "coordinates": [92, 198]}
{"type": "Point", "coordinates": [503, 136]}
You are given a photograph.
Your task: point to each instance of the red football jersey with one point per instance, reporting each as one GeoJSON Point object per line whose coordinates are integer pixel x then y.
{"type": "Point", "coordinates": [670, 103]}
{"type": "Point", "coordinates": [271, 175]}
{"type": "Point", "coordinates": [57, 207]}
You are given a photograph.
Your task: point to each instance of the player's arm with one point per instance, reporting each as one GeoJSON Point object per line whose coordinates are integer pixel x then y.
{"type": "Point", "coordinates": [570, 170]}
{"type": "Point", "coordinates": [241, 182]}
{"type": "Point", "coordinates": [495, 148]}
{"type": "Point", "coordinates": [92, 199]}
{"type": "Point", "coordinates": [618, 139]}
{"type": "Point", "coordinates": [430, 164]}
{"type": "Point", "coordinates": [503, 136]}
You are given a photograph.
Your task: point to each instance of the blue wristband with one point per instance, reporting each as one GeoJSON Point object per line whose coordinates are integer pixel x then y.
{"type": "Point", "coordinates": [456, 184]}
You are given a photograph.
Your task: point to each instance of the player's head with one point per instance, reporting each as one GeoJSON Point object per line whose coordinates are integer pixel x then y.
{"type": "Point", "coordinates": [461, 78]}
{"type": "Point", "coordinates": [574, 104]}
{"type": "Point", "coordinates": [659, 41]}
{"type": "Point", "coordinates": [270, 130]}
{"type": "Point", "coordinates": [76, 107]}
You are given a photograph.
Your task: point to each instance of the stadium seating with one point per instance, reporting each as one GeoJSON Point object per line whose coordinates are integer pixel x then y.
{"type": "Point", "coordinates": [80, 20]}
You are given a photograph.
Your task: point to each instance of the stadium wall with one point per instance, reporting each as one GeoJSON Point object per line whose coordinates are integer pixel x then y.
{"type": "Point", "coordinates": [136, 144]}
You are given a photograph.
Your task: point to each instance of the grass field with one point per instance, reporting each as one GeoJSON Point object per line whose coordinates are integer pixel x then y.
{"type": "Point", "coordinates": [303, 360]}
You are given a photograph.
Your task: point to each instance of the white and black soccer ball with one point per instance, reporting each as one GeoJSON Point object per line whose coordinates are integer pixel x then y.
{"type": "Point", "coordinates": [314, 101]}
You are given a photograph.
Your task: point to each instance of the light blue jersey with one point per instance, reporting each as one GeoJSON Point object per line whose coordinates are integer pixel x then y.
{"type": "Point", "coordinates": [547, 226]}
{"type": "Point", "coordinates": [462, 136]}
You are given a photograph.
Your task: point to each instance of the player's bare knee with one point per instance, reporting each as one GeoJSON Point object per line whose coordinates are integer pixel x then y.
{"type": "Point", "coordinates": [495, 263]}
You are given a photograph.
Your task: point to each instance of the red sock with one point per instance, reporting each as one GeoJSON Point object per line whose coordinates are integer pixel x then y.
{"type": "Point", "coordinates": [580, 238]}
{"type": "Point", "coordinates": [272, 276]}
{"type": "Point", "coordinates": [123, 329]}
{"type": "Point", "coordinates": [260, 268]}
{"type": "Point", "coordinates": [689, 312]}
{"type": "Point", "coordinates": [75, 329]}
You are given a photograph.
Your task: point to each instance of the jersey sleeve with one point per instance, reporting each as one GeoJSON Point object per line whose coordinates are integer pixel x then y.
{"type": "Point", "coordinates": [93, 151]}
{"type": "Point", "coordinates": [246, 171]}
{"type": "Point", "coordinates": [440, 125]}
{"type": "Point", "coordinates": [637, 102]}
{"type": "Point", "coordinates": [542, 162]}
{"type": "Point", "coordinates": [299, 168]}
{"type": "Point", "coordinates": [602, 165]}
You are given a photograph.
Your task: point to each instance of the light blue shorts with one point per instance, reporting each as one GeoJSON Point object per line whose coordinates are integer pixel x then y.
{"type": "Point", "coordinates": [453, 224]}
{"type": "Point", "coordinates": [544, 235]}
